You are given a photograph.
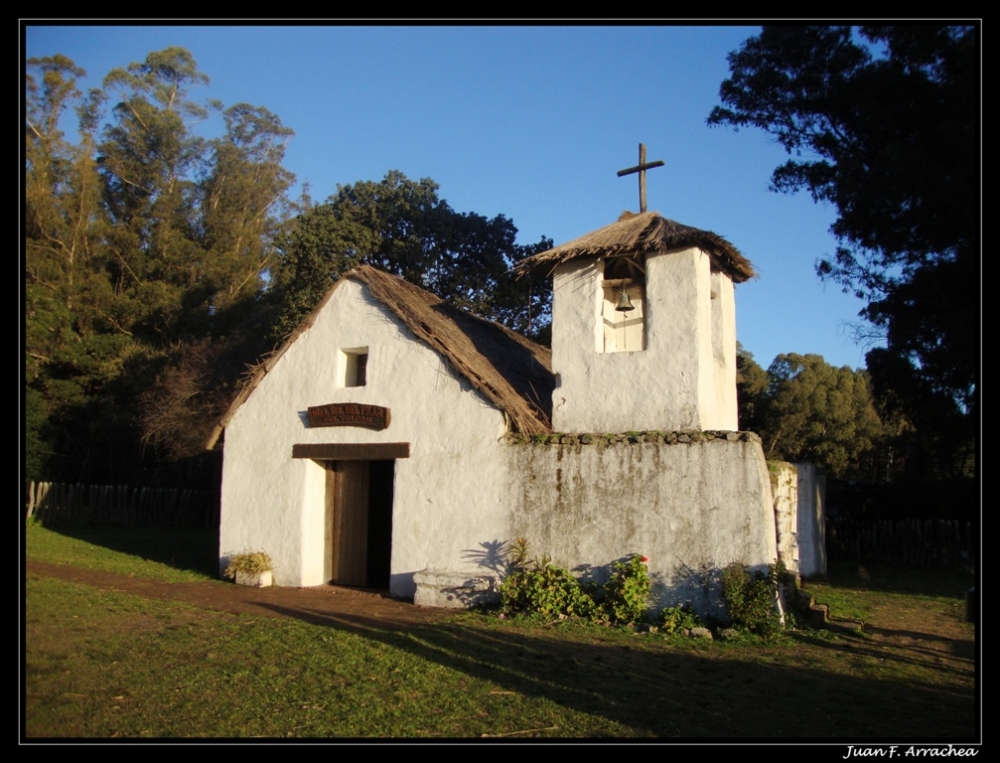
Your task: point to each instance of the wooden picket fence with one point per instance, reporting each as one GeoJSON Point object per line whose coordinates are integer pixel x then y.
{"type": "Point", "coordinates": [917, 542]}
{"type": "Point", "coordinates": [57, 504]}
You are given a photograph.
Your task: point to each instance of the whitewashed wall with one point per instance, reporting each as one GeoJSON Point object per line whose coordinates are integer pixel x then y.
{"type": "Point", "coordinates": [692, 508]}
{"type": "Point", "coordinates": [811, 518]}
{"type": "Point", "coordinates": [443, 492]}
{"type": "Point", "coordinates": [785, 490]}
{"type": "Point", "coordinates": [721, 410]}
{"type": "Point", "coordinates": [799, 511]}
{"type": "Point", "coordinates": [683, 380]}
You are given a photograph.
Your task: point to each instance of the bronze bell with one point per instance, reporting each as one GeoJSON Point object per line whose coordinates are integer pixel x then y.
{"type": "Point", "coordinates": [624, 303]}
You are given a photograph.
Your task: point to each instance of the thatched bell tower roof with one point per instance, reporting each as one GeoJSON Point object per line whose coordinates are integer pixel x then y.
{"type": "Point", "coordinates": [643, 234]}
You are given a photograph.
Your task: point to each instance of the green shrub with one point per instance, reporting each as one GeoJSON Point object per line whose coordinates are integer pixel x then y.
{"type": "Point", "coordinates": [539, 587]}
{"type": "Point", "coordinates": [626, 590]}
{"type": "Point", "coordinates": [546, 590]}
{"type": "Point", "coordinates": [673, 619]}
{"type": "Point", "coordinates": [750, 599]}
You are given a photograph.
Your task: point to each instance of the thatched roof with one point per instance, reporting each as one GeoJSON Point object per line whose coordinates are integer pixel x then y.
{"type": "Point", "coordinates": [644, 234]}
{"type": "Point", "coordinates": [514, 373]}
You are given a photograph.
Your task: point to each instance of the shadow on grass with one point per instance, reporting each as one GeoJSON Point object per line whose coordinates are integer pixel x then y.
{"type": "Point", "coordinates": [183, 548]}
{"type": "Point", "coordinates": [954, 660]}
{"type": "Point", "coordinates": [849, 689]}
{"type": "Point", "coordinates": [715, 692]}
{"type": "Point", "coordinates": [890, 578]}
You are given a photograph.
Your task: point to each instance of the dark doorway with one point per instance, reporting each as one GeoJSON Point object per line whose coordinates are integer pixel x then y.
{"type": "Point", "coordinates": [359, 522]}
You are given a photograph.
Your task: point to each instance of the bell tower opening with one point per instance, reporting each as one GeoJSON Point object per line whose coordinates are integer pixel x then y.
{"type": "Point", "coordinates": [623, 307]}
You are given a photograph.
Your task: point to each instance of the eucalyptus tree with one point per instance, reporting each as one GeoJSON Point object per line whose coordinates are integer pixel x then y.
{"type": "Point", "coordinates": [145, 243]}
{"type": "Point", "coordinates": [66, 296]}
{"type": "Point", "coordinates": [242, 203]}
{"type": "Point", "coordinates": [148, 158]}
{"type": "Point", "coordinates": [243, 200]}
{"type": "Point", "coordinates": [751, 386]}
{"type": "Point", "coordinates": [62, 202]}
{"type": "Point", "coordinates": [812, 411]}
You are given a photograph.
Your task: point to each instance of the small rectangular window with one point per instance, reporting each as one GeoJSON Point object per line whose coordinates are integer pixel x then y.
{"type": "Point", "coordinates": [361, 372]}
{"type": "Point", "coordinates": [353, 367]}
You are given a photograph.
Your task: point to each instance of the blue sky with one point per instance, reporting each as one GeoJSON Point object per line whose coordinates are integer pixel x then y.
{"type": "Point", "coordinates": [531, 122]}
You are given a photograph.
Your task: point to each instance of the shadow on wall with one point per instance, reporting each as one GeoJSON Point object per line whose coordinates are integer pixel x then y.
{"type": "Point", "coordinates": [493, 555]}
{"type": "Point", "coordinates": [699, 587]}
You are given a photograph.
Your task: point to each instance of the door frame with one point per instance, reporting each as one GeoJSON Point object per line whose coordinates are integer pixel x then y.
{"type": "Point", "coordinates": [357, 570]}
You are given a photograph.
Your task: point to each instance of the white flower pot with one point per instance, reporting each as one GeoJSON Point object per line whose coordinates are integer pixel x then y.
{"type": "Point", "coordinates": [258, 580]}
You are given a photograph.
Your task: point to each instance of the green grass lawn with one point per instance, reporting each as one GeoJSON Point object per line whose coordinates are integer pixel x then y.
{"type": "Point", "coordinates": [175, 555]}
{"type": "Point", "coordinates": [108, 664]}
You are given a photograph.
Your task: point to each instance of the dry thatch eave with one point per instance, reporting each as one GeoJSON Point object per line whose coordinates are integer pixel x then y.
{"type": "Point", "coordinates": [256, 373]}
{"type": "Point", "coordinates": [512, 372]}
{"type": "Point", "coordinates": [643, 234]}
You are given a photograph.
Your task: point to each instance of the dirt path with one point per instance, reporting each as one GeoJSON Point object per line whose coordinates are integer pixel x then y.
{"type": "Point", "coordinates": [930, 628]}
{"type": "Point", "coordinates": [321, 604]}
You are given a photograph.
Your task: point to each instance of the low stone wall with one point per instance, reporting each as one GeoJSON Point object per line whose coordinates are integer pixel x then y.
{"type": "Point", "coordinates": [454, 590]}
{"type": "Point", "coordinates": [634, 438]}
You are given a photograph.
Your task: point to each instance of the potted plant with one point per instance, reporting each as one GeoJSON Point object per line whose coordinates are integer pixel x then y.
{"type": "Point", "coordinates": [250, 569]}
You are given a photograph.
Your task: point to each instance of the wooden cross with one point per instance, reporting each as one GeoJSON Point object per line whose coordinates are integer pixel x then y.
{"type": "Point", "coordinates": [641, 169]}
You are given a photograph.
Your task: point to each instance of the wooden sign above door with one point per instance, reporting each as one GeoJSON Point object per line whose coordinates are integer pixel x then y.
{"type": "Point", "coordinates": [349, 415]}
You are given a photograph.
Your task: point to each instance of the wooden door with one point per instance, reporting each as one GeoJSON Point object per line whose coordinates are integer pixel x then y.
{"type": "Point", "coordinates": [347, 490]}
{"type": "Point", "coordinates": [359, 522]}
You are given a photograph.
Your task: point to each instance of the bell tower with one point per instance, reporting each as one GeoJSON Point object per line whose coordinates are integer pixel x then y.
{"type": "Point", "coordinates": [644, 327]}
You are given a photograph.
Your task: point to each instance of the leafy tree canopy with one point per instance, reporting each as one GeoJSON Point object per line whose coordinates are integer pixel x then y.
{"type": "Point", "coordinates": [751, 386]}
{"type": "Point", "coordinates": [142, 238]}
{"type": "Point", "coordinates": [811, 411]}
{"type": "Point", "coordinates": [883, 122]}
{"type": "Point", "coordinates": [403, 227]}
{"type": "Point", "coordinates": [160, 262]}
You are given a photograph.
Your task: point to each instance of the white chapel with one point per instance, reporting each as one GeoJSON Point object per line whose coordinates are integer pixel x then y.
{"type": "Point", "coordinates": [396, 442]}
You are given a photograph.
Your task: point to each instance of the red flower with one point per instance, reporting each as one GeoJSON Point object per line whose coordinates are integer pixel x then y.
{"type": "Point", "coordinates": [645, 560]}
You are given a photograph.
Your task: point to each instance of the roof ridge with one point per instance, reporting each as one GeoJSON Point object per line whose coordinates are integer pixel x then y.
{"type": "Point", "coordinates": [511, 371]}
